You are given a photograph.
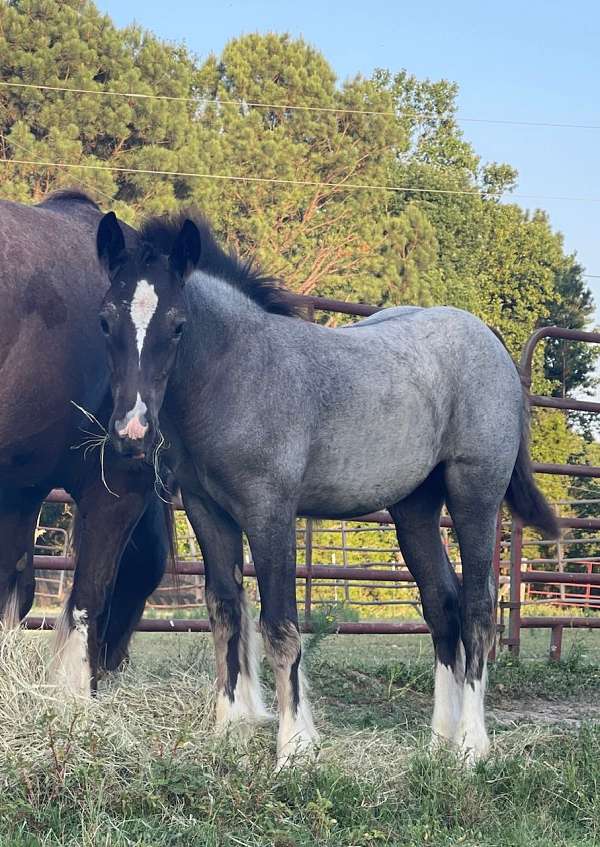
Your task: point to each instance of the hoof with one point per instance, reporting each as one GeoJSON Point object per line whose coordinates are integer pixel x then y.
{"type": "Point", "coordinates": [439, 741]}
{"type": "Point", "coordinates": [240, 719]}
{"type": "Point", "coordinates": [297, 747]}
{"type": "Point", "coordinates": [473, 746]}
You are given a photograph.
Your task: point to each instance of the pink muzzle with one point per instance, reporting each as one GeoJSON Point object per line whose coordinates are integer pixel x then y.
{"type": "Point", "coordinates": [135, 430]}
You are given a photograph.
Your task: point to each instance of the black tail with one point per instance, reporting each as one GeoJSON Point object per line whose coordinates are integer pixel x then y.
{"type": "Point", "coordinates": [523, 496]}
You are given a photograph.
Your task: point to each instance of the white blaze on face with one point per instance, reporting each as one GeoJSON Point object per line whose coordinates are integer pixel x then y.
{"type": "Point", "coordinates": [143, 307]}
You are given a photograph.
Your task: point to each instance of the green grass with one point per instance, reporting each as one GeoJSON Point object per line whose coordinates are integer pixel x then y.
{"type": "Point", "coordinates": [141, 765]}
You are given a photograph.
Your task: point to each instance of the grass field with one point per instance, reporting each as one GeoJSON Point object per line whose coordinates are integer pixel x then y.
{"type": "Point", "coordinates": [141, 766]}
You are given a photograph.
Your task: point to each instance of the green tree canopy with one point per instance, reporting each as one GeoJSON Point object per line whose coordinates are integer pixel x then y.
{"type": "Point", "coordinates": [453, 241]}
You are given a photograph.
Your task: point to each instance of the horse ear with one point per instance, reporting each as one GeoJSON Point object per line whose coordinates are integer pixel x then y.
{"type": "Point", "coordinates": [109, 240]}
{"type": "Point", "coordinates": [185, 253]}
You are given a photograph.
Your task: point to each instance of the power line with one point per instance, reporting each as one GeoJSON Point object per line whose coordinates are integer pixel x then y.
{"type": "Point", "coordinates": [243, 104]}
{"type": "Point", "coordinates": [309, 183]}
{"type": "Point", "coordinates": [299, 182]}
{"type": "Point", "coordinates": [93, 188]}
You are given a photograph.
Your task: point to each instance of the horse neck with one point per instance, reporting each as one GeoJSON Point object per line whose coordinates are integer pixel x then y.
{"type": "Point", "coordinates": [220, 316]}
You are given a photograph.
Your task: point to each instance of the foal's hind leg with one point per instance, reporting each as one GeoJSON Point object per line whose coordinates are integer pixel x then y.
{"type": "Point", "coordinates": [473, 501]}
{"type": "Point", "coordinates": [417, 520]}
{"type": "Point", "coordinates": [18, 516]}
{"type": "Point", "coordinates": [239, 696]}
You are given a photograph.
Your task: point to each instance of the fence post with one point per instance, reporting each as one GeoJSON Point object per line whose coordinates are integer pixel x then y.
{"type": "Point", "coordinates": [496, 571]}
{"type": "Point", "coordinates": [514, 605]}
{"type": "Point", "coordinates": [308, 557]}
{"type": "Point", "coordinates": [345, 562]}
{"type": "Point", "coordinates": [556, 643]}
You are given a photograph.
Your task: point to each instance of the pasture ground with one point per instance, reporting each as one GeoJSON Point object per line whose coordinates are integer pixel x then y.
{"type": "Point", "coordinates": [141, 766]}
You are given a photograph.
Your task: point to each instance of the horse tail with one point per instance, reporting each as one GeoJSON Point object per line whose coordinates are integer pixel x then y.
{"type": "Point", "coordinates": [525, 499]}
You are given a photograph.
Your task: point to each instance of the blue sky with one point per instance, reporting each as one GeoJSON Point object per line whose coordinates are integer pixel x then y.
{"type": "Point", "coordinates": [535, 61]}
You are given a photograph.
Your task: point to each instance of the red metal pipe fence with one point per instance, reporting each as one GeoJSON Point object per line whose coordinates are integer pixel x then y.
{"type": "Point", "coordinates": [310, 571]}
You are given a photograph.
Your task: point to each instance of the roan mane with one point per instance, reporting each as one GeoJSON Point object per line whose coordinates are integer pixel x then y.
{"type": "Point", "coordinates": [160, 232]}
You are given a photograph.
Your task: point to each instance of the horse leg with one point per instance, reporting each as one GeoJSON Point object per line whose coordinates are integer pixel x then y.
{"type": "Point", "coordinates": [473, 503]}
{"type": "Point", "coordinates": [273, 544]}
{"type": "Point", "coordinates": [18, 515]}
{"type": "Point", "coordinates": [417, 520]}
{"type": "Point", "coordinates": [239, 696]}
{"type": "Point", "coordinates": [140, 571]}
{"type": "Point", "coordinates": [106, 524]}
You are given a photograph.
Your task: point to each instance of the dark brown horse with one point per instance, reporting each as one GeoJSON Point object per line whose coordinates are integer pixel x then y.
{"type": "Point", "coordinates": [53, 366]}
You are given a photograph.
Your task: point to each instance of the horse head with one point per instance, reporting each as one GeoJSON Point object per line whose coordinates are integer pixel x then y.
{"type": "Point", "coordinates": [143, 319]}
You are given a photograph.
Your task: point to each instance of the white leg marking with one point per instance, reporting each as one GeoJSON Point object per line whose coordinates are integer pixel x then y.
{"type": "Point", "coordinates": [448, 702]}
{"type": "Point", "coordinates": [11, 617]}
{"type": "Point", "coordinates": [143, 306]}
{"type": "Point", "coordinates": [471, 735]}
{"type": "Point", "coordinates": [70, 666]}
{"type": "Point", "coordinates": [247, 706]}
{"type": "Point", "coordinates": [297, 735]}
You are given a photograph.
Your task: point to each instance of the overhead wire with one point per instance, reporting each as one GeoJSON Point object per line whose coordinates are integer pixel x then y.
{"type": "Point", "coordinates": [241, 103]}
{"type": "Point", "coordinates": [284, 181]}
{"type": "Point", "coordinates": [400, 189]}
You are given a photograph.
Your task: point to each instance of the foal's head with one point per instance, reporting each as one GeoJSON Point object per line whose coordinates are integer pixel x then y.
{"type": "Point", "coordinates": [143, 319]}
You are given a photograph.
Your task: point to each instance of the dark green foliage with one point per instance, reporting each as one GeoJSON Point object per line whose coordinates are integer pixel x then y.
{"type": "Point", "coordinates": [427, 247]}
{"type": "Point", "coordinates": [377, 246]}
{"type": "Point", "coordinates": [568, 364]}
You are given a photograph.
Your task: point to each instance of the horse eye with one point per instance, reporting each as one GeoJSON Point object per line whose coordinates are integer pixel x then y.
{"type": "Point", "coordinates": [104, 326]}
{"type": "Point", "coordinates": [178, 329]}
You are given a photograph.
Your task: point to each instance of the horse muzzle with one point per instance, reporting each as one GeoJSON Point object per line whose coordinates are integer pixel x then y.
{"type": "Point", "coordinates": [132, 439]}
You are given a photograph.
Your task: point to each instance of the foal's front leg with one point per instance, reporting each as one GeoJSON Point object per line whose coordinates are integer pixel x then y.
{"type": "Point", "coordinates": [106, 525]}
{"type": "Point", "coordinates": [239, 696]}
{"type": "Point", "coordinates": [273, 545]}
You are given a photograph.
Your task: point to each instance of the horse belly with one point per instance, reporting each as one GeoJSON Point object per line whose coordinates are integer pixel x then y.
{"type": "Point", "coordinates": [366, 474]}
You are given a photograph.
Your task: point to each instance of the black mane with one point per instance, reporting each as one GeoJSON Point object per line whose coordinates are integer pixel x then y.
{"type": "Point", "coordinates": [160, 233]}
{"type": "Point", "coordinates": [75, 195]}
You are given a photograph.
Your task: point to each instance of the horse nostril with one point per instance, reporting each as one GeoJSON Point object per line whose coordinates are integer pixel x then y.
{"type": "Point", "coordinates": [134, 429]}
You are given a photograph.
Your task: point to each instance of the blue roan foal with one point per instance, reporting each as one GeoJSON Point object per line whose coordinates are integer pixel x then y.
{"type": "Point", "coordinates": [267, 416]}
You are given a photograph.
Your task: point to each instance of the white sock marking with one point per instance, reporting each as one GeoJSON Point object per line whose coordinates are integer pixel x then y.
{"type": "Point", "coordinates": [471, 735]}
{"type": "Point", "coordinates": [297, 735]}
{"type": "Point", "coordinates": [143, 306]}
{"type": "Point", "coordinates": [247, 706]}
{"type": "Point", "coordinates": [11, 616]}
{"type": "Point", "coordinates": [70, 667]}
{"type": "Point", "coordinates": [447, 703]}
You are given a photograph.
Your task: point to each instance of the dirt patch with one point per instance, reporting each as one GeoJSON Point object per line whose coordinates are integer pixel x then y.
{"type": "Point", "coordinates": [571, 712]}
